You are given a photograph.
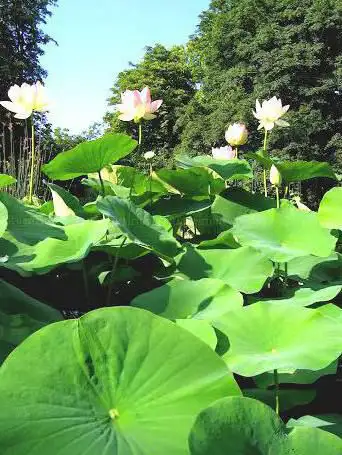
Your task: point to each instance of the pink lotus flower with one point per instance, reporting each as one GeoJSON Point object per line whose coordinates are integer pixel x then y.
{"type": "Point", "coordinates": [137, 105]}
{"type": "Point", "coordinates": [223, 153]}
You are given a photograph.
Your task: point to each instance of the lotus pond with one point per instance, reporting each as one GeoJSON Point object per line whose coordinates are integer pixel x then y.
{"type": "Point", "coordinates": [175, 312]}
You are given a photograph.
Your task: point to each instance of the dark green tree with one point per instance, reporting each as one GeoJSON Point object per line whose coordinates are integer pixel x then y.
{"type": "Point", "coordinates": [168, 74]}
{"type": "Point", "coordinates": [249, 49]}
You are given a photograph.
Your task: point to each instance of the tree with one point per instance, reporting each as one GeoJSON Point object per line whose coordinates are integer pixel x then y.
{"type": "Point", "coordinates": [21, 41]}
{"type": "Point", "coordinates": [168, 74]}
{"type": "Point", "coordinates": [249, 49]}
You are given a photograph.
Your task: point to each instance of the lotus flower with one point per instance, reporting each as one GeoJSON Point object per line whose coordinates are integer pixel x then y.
{"type": "Point", "coordinates": [223, 153]}
{"type": "Point", "coordinates": [149, 155]}
{"type": "Point", "coordinates": [137, 105]}
{"type": "Point", "coordinates": [275, 176]}
{"type": "Point", "coordinates": [26, 99]}
{"type": "Point", "coordinates": [237, 134]}
{"type": "Point", "coordinates": [269, 113]}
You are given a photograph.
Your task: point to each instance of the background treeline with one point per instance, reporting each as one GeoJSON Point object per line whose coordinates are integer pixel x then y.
{"type": "Point", "coordinates": [241, 50]}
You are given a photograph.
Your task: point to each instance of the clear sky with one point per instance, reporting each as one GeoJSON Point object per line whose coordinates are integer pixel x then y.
{"type": "Point", "coordinates": [97, 39]}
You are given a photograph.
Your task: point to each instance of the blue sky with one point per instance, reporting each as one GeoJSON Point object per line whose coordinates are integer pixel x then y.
{"type": "Point", "coordinates": [96, 40]}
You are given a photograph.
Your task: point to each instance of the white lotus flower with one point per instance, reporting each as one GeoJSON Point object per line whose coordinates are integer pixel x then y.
{"type": "Point", "coordinates": [237, 134]}
{"type": "Point", "coordinates": [149, 155]}
{"type": "Point", "coordinates": [223, 153]}
{"type": "Point", "coordinates": [269, 112]}
{"type": "Point", "coordinates": [26, 99]}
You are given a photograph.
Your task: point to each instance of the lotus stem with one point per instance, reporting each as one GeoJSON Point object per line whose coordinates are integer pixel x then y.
{"type": "Point", "coordinates": [277, 196]}
{"type": "Point", "coordinates": [265, 152]}
{"type": "Point", "coordinates": [102, 184]}
{"type": "Point", "coordinates": [30, 199]}
{"type": "Point", "coordinates": [276, 389]}
{"type": "Point", "coordinates": [151, 171]}
{"type": "Point", "coordinates": [112, 273]}
{"type": "Point", "coordinates": [139, 147]}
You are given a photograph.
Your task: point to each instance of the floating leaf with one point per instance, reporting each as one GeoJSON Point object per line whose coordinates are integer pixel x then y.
{"type": "Point", "coordinates": [264, 337]}
{"type": "Point", "coordinates": [139, 226]}
{"type": "Point", "coordinates": [244, 269]}
{"type": "Point", "coordinates": [6, 180]}
{"type": "Point", "coordinates": [330, 209]}
{"type": "Point", "coordinates": [88, 157]}
{"type": "Point", "coordinates": [285, 233]}
{"type": "Point", "coordinates": [206, 299]}
{"type": "Point", "coordinates": [20, 316]}
{"type": "Point", "coordinates": [122, 381]}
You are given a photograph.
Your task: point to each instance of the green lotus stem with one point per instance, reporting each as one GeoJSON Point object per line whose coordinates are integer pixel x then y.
{"type": "Point", "coordinates": [139, 147]}
{"type": "Point", "coordinates": [112, 273]}
{"type": "Point", "coordinates": [102, 184]}
{"type": "Point", "coordinates": [277, 196]}
{"type": "Point", "coordinates": [276, 389]}
{"type": "Point", "coordinates": [265, 152]}
{"type": "Point", "coordinates": [151, 170]}
{"type": "Point", "coordinates": [30, 199]}
{"type": "Point", "coordinates": [286, 191]}
{"type": "Point", "coordinates": [285, 274]}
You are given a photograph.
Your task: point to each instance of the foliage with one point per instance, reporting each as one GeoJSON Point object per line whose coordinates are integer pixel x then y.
{"type": "Point", "coordinates": [201, 279]}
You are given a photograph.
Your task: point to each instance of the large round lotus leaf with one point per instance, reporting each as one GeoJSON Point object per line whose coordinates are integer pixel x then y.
{"type": "Point", "coordinates": [318, 270]}
{"type": "Point", "coordinates": [297, 377]}
{"type": "Point", "coordinates": [306, 296]}
{"type": "Point", "coordinates": [329, 422]}
{"type": "Point", "coordinates": [6, 180]}
{"type": "Point", "coordinates": [201, 329]}
{"type": "Point", "coordinates": [91, 156]}
{"type": "Point", "coordinates": [26, 224]}
{"type": "Point", "coordinates": [122, 382]}
{"type": "Point", "coordinates": [3, 218]}
{"type": "Point", "coordinates": [288, 398]}
{"type": "Point", "coordinates": [234, 169]}
{"type": "Point", "coordinates": [20, 315]}
{"type": "Point", "coordinates": [50, 253]}
{"type": "Point", "coordinates": [175, 206]}
{"type": "Point", "coordinates": [330, 209]}
{"type": "Point", "coordinates": [307, 441]}
{"type": "Point", "coordinates": [297, 171]}
{"type": "Point", "coordinates": [244, 269]}
{"type": "Point", "coordinates": [64, 202]}
{"type": "Point", "coordinates": [285, 233]}
{"type": "Point", "coordinates": [139, 226]}
{"type": "Point", "coordinates": [264, 337]}
{"type": "Point", "coordinates": [235, 426]}
{"type": "Point", "coordinates": [235, 202]}
{"type": "Point", "coordinates": [242, 426]}
{"type": "Point", "coordinates": [206, 299]}
{"type": "Point", "coordinates": [190, 182]}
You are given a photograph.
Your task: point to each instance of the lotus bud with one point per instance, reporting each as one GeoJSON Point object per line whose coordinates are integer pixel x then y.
{"type": "Point", "coordinates": [275, 176]}
{"type": "Point", "coordinates": [149, 155]}
{"type": "Point", "coordinates": [237, 134]}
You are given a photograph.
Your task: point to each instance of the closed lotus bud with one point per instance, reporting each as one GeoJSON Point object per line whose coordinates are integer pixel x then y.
{"type": "Point", "coordinates": [275, 176]}
{"type": "Point", "coordinates": [237, 134]}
